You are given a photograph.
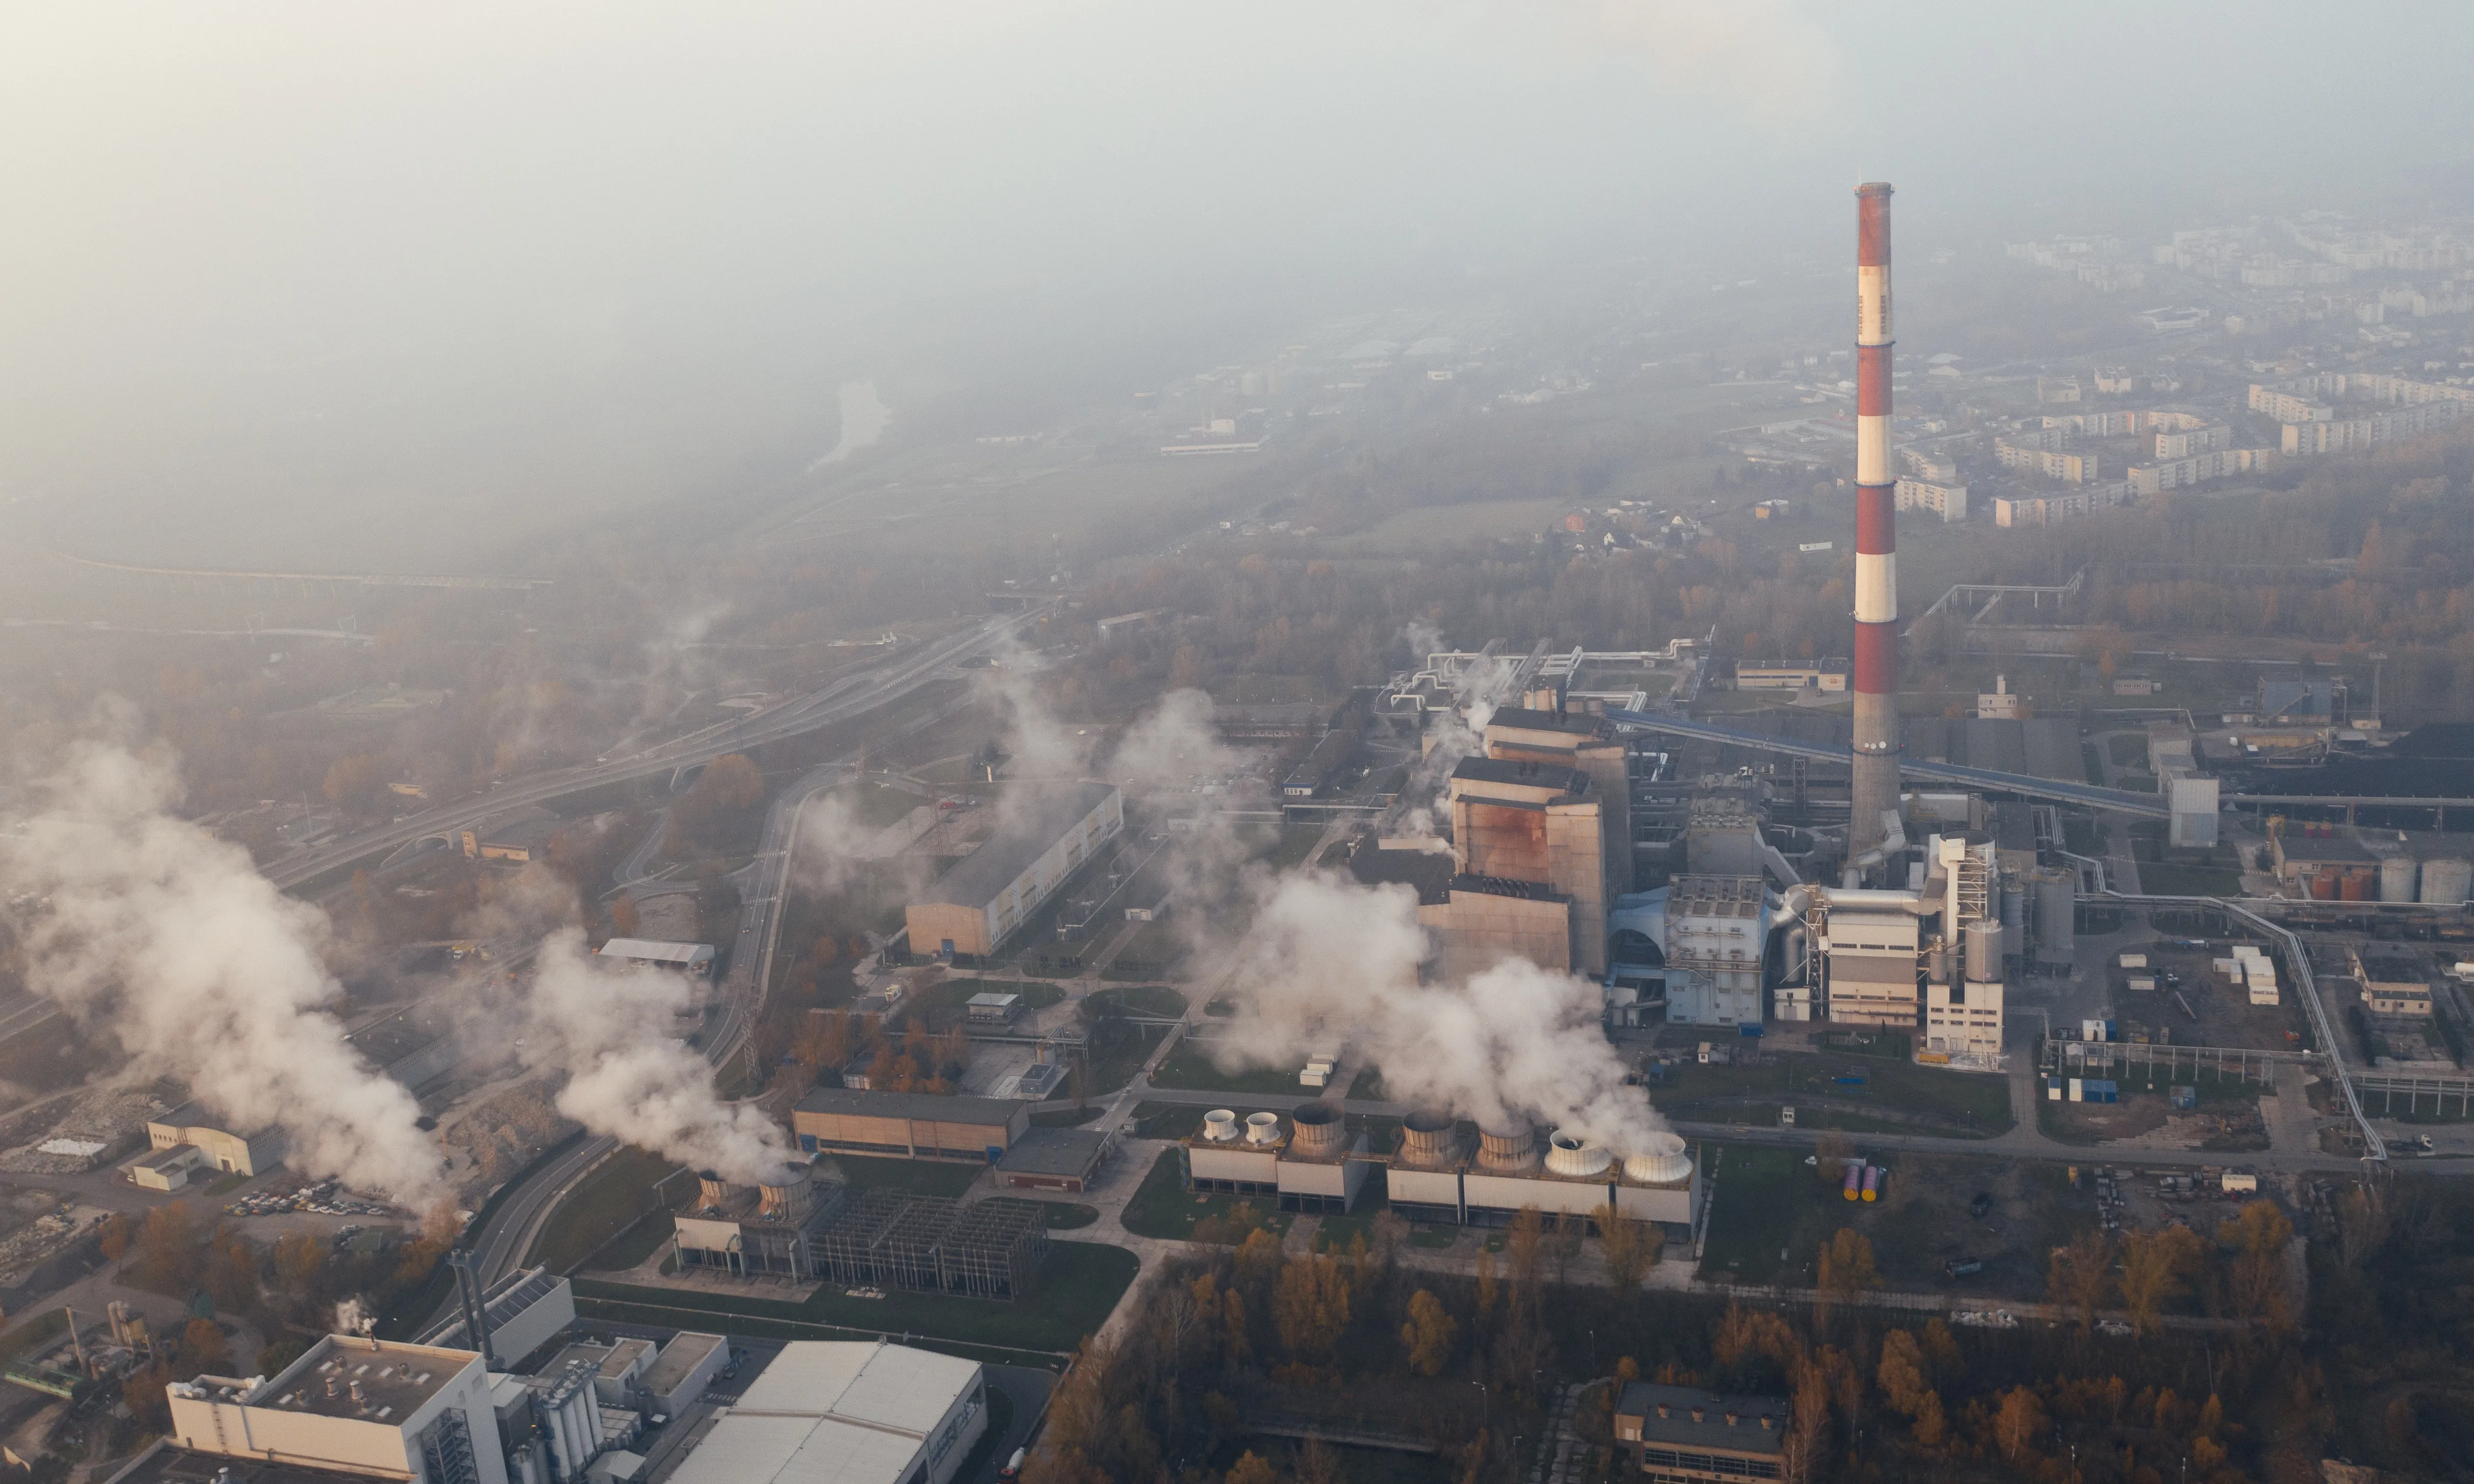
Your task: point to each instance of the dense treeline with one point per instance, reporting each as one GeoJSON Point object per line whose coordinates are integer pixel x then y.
{"type": "Point", "coordinates": [2375, 1369]}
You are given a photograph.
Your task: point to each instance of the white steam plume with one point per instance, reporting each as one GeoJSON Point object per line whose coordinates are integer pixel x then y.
{"type": "Point", "coordinates": [1480, 690]}
{"type": "Point", "coordinates": [1041, 747]}
{"type": "Point", "coordinates": [613, 1030]}
{"type": "Point", "coordinates": [149, 927]}
{"type": "Point", "coordinates": [1329, 959]}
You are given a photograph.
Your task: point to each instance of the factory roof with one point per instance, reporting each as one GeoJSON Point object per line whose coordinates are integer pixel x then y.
{"type": "Point", "coordinates": [1054, 1152]}
{"type": "Point", "coordinates": [1035, 817]}
{"type": "Point", "coordinates": [1428, 871]}
{"type": "Point", "coordinates": [393, 1381]}
{"type": "Point", "coordinates": [2326, 849]}
{"type": "Point", "coordinates": [1554, 777]}
{"type": "Point", "coordinates": [508, 1297]}
{"type": "Point", "coordinates": [832, 1412]}
{"type": "Point", "coordinates": [166, 1463]}
{"type": "Point", "coordinates": [686, 1350]}
{"type": "Point", "coordinates": [1580, 728]}
{"type": "Point", "coordinates": [1644, 1399]}
{"type": "Point", "coordinates": [2395, 969]}
{"type": "Point", "coordinates": [1505, 886]}
{"type": "Point", "coordinates": [645, 950]}
{"type": "Point", "coordinates": [851, 1102]}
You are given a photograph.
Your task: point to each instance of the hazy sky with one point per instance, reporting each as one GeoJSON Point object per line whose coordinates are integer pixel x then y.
{"type": "Point", "coordinates": [321, 259]}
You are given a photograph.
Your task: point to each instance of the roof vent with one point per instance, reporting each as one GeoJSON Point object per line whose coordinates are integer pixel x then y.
{"type": "Point", "coordinates": [1220, 1125]}
{"type": "Point", "coordinates": [1262, 1128]}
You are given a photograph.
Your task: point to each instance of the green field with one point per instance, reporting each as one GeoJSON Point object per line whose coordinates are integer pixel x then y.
{"type": "Point", "coordinates": [614, 1199]}
{"type": "Point", "coordinates": [917, 1177]}
{"type": "Point", "coordinates": [1190, 1068]}
{"type": "Point", "coordinates": [1078, 1286]}
{"type": "Point", "coordinates": [1165, 1209]}
{"type": "Point", "coordinates": [1894, 1094]}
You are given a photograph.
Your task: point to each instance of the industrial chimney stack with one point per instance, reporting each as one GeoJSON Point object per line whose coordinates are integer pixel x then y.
{"type": "Point", "coordinates": [1875, 790]}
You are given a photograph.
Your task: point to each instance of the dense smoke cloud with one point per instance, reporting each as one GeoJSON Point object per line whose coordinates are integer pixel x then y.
{"type": "Point", "coordinates": [1039, 747]}
{"type": "Point", "coordinates": [1327, 959]}
{"type": "Point", "coordinates": [614, 1031]}
{"type": "Point", "coordinates": [1482, 688]}
{"type": "Point", "coordinates": [147, 926]}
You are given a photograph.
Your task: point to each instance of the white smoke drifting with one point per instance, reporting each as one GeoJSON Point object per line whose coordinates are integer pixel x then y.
{"type": "Point", "coordinates": [148, 926]}
{"type": "Point", "coordinates": [1481, 688]}
{"type": "Point", "coordinates": [1040, 746]}
{"type": "Point", "coordinates": [614, 1031]}
{"type": "Point", "coordinates": [1327, 959]}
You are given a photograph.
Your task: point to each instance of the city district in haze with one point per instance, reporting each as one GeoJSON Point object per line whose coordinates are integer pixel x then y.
{"type": "Point", "coordinates": [1072, 743]}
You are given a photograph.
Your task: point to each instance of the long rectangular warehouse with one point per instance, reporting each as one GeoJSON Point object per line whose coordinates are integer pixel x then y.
{"type": "Point", "coordinates": [1049, 833]}
{"type": "Point", "coordinates": [909, 1125]}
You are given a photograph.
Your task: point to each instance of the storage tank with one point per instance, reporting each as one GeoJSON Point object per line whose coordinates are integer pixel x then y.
{"type": "Point", "coordinates": [2013, 918]}
{"type": "Point", "coordinates": [1663, 1161]}
{"type": "Point", "coordinates": [789, 1194]}
{"type": "Point", "coordinates": [1872, 1181]}
{"type": "Point", "coordinates": [2398, 878]}
{"type": "Point", "coordinates": [1576, 1154]}
{"type": "Point", "coordinates": [2356, 886]}
{"type": "Point", "coordinates": [2448, 881]}
{"type": "Point", "coordinates": [1509, 1146]}
{"type": "Point", "coordinates": [1428, 1138]}
{"type": "Point", "coordinates": [1262, 1128]}
{"type": "Point", "coordinates": [1220, 1125]}
{"type": "Point", "coordinates": [2056, 917]}
{"type": "Point", "coordinates": [1317, 1128]}
{"type": "Point", "coordinates": [1854, 1181]}
{"type": "Point", "coordinates": [2324, 884]}
{"type": "Point", "coordinates": [712, 1192]}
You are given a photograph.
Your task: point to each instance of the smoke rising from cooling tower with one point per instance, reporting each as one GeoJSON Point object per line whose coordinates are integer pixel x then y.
{"type": "Point", "coordinates": [149, 927]}
{"type": "Point", "coordinates": [1327, 959]}
{"type": "Point", "coordinates": [613, 1030]}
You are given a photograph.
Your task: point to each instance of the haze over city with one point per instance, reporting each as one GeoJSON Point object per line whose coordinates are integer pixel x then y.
{"type": "Point", "coordinates": [1077, 743]}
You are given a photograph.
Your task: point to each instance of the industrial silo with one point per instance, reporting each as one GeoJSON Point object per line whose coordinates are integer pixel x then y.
{"type": "Point", "coordinates": [2447, 882]}
{"type": "Point", "coordinates": [2398, 878]}
{"type": "Point", "coordinates": [2057, 912]}
{"type": "Point", "coordinates": [2013, 918]}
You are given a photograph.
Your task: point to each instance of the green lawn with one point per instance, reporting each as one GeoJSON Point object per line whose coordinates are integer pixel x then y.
{"type": "Point", "coordinates": [1190, 1067]}
{"type": "Point", "coordinates": [614, 1197]}
{"type": "Point", "coordinates": [917, 1177]}
{"type": "Point", "coordinates": [1165, 1209]}
{"type": "Point", "coordinates": [955, 993]}
{"type": "Point", "coordinates": [1117, 1066]}
{"type": "Point", "coordinates": [1935, 1099]}
{"type": "Point", "coordinates": [1078, 1286]}
{"type": "Point", "coordinates": [1067, 1216]}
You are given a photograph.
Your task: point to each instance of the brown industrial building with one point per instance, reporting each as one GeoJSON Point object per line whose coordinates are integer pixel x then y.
{"type": "Point", "coordinates": [909, 1125]}
{"type": "Point", "coordinates": [1541, 838]}
{"type": "Point", "coordinates": [1060, 1159]}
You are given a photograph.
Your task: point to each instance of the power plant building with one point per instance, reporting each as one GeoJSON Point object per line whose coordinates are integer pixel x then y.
{"type": "Point", "coordinates": [1053, 831]}
{"type": "Point", "coordinates": [766, 1230]}
{"type": "Point", "coordinates": [351, 1405]}
{"type": "Point", "coordinates": [1542, 841]}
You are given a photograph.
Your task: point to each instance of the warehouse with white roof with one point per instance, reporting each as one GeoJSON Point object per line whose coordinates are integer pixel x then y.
{"type": "Point", "coordinates": [837, 1412]}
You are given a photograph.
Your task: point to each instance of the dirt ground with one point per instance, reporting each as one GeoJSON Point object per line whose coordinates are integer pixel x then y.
{"type": "Point", "coordinates": [2218, 1012]}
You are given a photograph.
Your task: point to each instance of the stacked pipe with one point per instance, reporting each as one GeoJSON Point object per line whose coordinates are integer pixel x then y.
{"type": "Point", "coordinates": [1876, 785]}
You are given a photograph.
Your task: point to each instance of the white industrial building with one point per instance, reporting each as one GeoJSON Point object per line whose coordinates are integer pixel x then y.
{"type": "Point", "coordinates": [832, 1411]}
{"type": "Point", "coordinates": [686, 958]}
{"type": "Point", "coordinates": [1696, 945]}
{"type": "Point", "coordinates": [1047, 836]}
{"type": "Point", "coordinates": [352, 1406]}
{"type": "Point", "coordinates": [521, 1312]}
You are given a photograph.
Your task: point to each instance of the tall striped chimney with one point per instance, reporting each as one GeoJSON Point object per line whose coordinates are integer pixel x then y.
{"type": "Point", "coordinates": [1875, 790]}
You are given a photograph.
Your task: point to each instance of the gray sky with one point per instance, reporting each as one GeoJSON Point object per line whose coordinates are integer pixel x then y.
{"type": "Point", "coordinates": [335, 259]}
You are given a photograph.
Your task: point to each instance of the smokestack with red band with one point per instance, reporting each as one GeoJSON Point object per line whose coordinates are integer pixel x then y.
{"type": "Point", "coordinates": [1875, 788]}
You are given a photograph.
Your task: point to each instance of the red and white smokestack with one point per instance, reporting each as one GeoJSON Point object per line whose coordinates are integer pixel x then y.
{"type": "Point", "coordinates": [1875, 788]}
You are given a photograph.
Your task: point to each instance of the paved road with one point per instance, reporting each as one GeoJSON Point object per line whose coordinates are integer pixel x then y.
{"type": "Point", "coordinates": [849, 697]}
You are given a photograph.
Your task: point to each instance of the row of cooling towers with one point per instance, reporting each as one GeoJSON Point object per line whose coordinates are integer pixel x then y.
{"type": "Point", "coordinates": [785, 1196]}
{"type": "Point", "coordinates": [1436, 1171]}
